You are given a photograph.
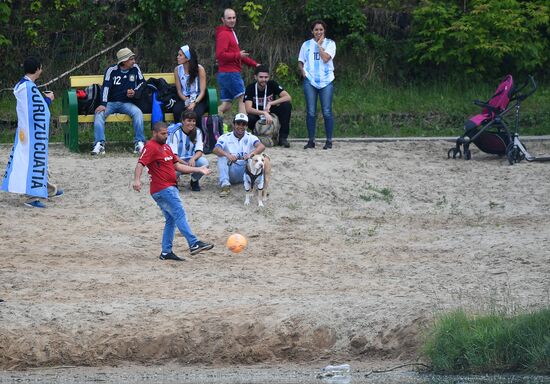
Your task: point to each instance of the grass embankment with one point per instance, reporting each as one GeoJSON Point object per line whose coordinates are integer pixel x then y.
{"type": "Point", "coordinates": [462, 343]}
{"type": "Point", "coordinates": [374, 110]}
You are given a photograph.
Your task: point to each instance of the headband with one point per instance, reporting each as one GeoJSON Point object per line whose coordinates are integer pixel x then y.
{"type": "Point", "coordinates": [186, 51]}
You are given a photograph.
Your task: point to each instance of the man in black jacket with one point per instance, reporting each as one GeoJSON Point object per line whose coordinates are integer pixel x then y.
{"type": "Point", "coordinates": [120, 83]}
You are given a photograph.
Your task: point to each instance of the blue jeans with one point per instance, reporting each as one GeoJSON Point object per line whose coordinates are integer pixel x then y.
{"type": "Point", "coordinates": [200, 162]}
{"type": "Point", "coordinates": [230, 174]}
{"type": "Point", "coordinates": [170, 204]}
{"type": "Point", "coordinates": [231, 85]}
{"type": "Point", "coordinates": [325, 96]}
{"type": "Point", "coordinates": [129, 109]}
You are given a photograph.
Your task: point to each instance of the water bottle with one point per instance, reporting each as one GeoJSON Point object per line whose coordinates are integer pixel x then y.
{"type": "Point", "coordinates": [337, 370]}
{"type": "Point", "coordinates": [336, 374]}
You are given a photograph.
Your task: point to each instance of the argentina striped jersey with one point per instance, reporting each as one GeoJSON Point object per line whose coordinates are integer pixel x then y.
{"type": "Point", "coordinates": [319, 73]}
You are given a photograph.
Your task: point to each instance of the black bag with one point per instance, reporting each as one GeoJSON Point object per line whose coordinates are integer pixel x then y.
{"type": "Point", "coordinates": [212, 127]}
{"type": "Point", "coordinates": [166, 94]}
{"type": "Point", "coordinates": [143, 97]}
{"type": "Point", "coordinates": [87, 105]}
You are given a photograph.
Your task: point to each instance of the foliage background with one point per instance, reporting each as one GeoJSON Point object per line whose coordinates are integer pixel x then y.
{"type": "Point", "coordinates": [391, 40]}
{"type": "Point", "coordinates": [394, 48]}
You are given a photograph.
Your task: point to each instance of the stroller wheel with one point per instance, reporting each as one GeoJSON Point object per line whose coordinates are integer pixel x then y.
{"type": "Point", "coordinates": [512, 153]}
{"type": "Point", "coordinates": [467, 154]}
{"type": "Point", "coordinates": [455, 152]}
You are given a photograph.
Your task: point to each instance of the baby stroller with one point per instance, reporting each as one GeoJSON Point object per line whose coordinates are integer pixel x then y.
{"type": "Point", "coordinates": [489, 130]}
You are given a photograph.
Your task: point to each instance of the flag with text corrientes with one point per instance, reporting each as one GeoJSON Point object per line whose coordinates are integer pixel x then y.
{"type": "Point", "coordinates": [27, 170]}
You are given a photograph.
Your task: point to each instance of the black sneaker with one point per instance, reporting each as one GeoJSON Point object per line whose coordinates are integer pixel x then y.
{"type": "Point", "coordinates": [200, 246]}
{"type": "Point", "coordinates": [170, 256]}
{"type": "Point", "coordinates": [284, 143]}
{"type": "Point", "coordinates": [328, 145]}
{"type": "Point", "coordinates": [310, 144]}
{"type": "Point", "coordinates": [195, 185]}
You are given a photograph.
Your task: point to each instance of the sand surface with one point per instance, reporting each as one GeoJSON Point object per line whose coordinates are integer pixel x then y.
{"type": "Point", "coordinates": [355, 252]}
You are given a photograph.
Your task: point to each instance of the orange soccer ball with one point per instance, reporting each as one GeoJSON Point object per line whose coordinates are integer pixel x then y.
{"type": "Point", "coordinates": [236, 243]}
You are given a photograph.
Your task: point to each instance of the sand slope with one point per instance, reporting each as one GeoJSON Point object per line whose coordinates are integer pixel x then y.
{"type": "Point", "coordinates": [357, 248]}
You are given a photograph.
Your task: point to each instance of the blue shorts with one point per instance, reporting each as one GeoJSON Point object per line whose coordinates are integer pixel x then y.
{"type": "Point", "coordinates": [231, 85]}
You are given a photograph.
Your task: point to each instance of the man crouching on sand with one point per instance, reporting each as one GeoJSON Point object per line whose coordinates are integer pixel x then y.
{"type": "Point", "coordinates": [162, 165]}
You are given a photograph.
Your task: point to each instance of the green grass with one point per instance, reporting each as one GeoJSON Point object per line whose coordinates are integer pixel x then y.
{"type": "Point", "coordinates": [362, 110]}
{"type": "Point", "coordinates": [375, 193]}
{"type": "Point", "coordinates": [463, 343]}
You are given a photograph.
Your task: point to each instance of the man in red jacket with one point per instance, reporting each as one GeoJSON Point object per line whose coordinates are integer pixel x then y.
{"type": "Point", "coordinates": [230, 60]}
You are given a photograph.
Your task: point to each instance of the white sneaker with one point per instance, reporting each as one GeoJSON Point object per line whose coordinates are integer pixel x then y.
{"type": "Point", "coordinates": [99, 148]}
{"type": "Point", "coordinates": [139, 147]}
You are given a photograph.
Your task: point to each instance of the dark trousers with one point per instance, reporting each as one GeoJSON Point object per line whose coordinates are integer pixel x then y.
{"type": "Point", "coordinates": [200, 109]}
{"type": "Point", "coordinates": [283, 112]}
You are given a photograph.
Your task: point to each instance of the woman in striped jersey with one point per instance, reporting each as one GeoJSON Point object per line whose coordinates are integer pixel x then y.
{"type": "Point", "coordinates": [316, 65]}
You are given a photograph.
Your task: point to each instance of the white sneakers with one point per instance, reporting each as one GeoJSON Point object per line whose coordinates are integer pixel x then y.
{"type": "Point", "coordinates": [139, 147]}
{"type": "Point", "coordinates": [99, 148]}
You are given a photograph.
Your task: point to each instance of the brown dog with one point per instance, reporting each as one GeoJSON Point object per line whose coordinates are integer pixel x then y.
{"type": "Point", "coordinates": [257, 175]}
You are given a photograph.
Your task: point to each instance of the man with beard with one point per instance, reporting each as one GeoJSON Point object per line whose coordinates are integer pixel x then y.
{"type": "Point", "coordinates": [264, 97]}
{"type": "Point", "coordinates": [162, 164]}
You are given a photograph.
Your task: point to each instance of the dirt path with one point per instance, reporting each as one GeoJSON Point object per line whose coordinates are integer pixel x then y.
{"type": "Point", "coordinates": [357, 248]}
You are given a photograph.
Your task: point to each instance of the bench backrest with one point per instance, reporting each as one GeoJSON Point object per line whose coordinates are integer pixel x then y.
{"type": "Point", "coordinates": [84, 81]}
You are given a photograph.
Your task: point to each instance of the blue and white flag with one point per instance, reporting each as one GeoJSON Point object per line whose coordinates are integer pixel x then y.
{"type": "Point", "coordinates": [27, 170]}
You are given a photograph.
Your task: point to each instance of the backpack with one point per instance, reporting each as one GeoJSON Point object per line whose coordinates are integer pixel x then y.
{"type": "Point", "coordinates": [212, 129]}
{"type": "Point", "coordinates": [144, 98]}
{"type": "Point", "coordinates": [268, 133]}
{"type": "Point", "coordinates": [166, 94]}
{"type": "Point", "coordinates": [90, 101]}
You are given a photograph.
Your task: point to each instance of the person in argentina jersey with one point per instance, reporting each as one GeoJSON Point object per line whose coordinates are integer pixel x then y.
{"type": "Point", "coordinates": [316, 65]}
{"type": "Point", "coordinates": [190, 80]}
{"type": "Point", "coordinates": [234, 149]}
{"type": "Point", "coordinates": [120, 83]}
{"type": "Point", "coordinates": [186, 141]}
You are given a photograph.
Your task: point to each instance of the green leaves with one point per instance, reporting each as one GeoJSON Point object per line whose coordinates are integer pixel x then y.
{"type": "Point", "coordinates": [482, 37]}
{"type": "Point", "coordinates": [254, 12]}
{"type": "Point", "coordinates": [342, 16]}
{"type": "Point", "coordinates": [5, 12]}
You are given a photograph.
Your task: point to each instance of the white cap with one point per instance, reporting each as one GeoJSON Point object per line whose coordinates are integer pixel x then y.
{"type": "Point", "coordinates": [240, 117]}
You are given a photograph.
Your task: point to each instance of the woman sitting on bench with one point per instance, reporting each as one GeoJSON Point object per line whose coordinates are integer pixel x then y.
{"type": "Point", "coordinates": [190, 78]}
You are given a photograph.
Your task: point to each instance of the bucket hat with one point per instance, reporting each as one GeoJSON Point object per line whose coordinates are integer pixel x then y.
{"type": "Point", "coordinates": [123, 55]}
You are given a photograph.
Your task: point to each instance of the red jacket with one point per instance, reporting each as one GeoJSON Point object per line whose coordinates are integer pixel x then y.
{"type": "Point", "coordinates": [228, 52]}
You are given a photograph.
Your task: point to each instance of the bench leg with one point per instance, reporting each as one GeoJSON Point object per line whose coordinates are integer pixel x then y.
{"type": "Point", "coordinates": [71, 131]}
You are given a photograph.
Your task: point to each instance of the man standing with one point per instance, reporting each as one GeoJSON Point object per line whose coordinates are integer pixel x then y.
{"type": "Point", "coordinates": [264, 97]}
{"type": "Point", "coordinates": [27, 170]}
{"type": "Point", "coordinates": [230, 59]}
{"type": "Point", "coordinates": [234, 149]}
{"type": "Point", "coordinates": [120, 83]}
{"type": "Point", "coordinates": [162, 165]}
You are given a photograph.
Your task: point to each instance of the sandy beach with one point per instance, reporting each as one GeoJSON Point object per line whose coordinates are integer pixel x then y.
{"type": "Point", "coordinates": [355, 252]}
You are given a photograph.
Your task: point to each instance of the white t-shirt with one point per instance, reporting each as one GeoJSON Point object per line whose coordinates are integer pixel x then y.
{"type": "Point", "coordinates": [319, 73]}
{"type": "Point", "coordinates": [229, 143]}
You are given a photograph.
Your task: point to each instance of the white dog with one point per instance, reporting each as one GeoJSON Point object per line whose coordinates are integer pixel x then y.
{"type": "Point", "coordinates": [256, 175]}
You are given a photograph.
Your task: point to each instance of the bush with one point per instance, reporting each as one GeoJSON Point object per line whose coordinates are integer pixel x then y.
{"type": "Point", "coordinates": [461, 343]}
{"type": "Point", "coordinates": [492, 36]}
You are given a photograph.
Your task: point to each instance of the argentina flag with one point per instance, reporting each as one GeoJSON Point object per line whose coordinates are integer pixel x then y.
{"type": "Point", "coordinates": [27, 170]}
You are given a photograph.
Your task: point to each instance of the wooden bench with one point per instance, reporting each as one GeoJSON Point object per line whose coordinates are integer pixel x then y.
{"type": "Point", "coordinates": [70, 118]}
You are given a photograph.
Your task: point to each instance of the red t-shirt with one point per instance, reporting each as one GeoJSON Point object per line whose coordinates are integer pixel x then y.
{"type": "Point", "coordinates": [159, 160]}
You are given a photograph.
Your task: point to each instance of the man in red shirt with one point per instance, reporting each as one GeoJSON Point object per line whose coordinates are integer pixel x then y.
{"type": "Point", "coordinates": [230, 59]}
{"type": "Point", "coordinates": [162, 164]}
